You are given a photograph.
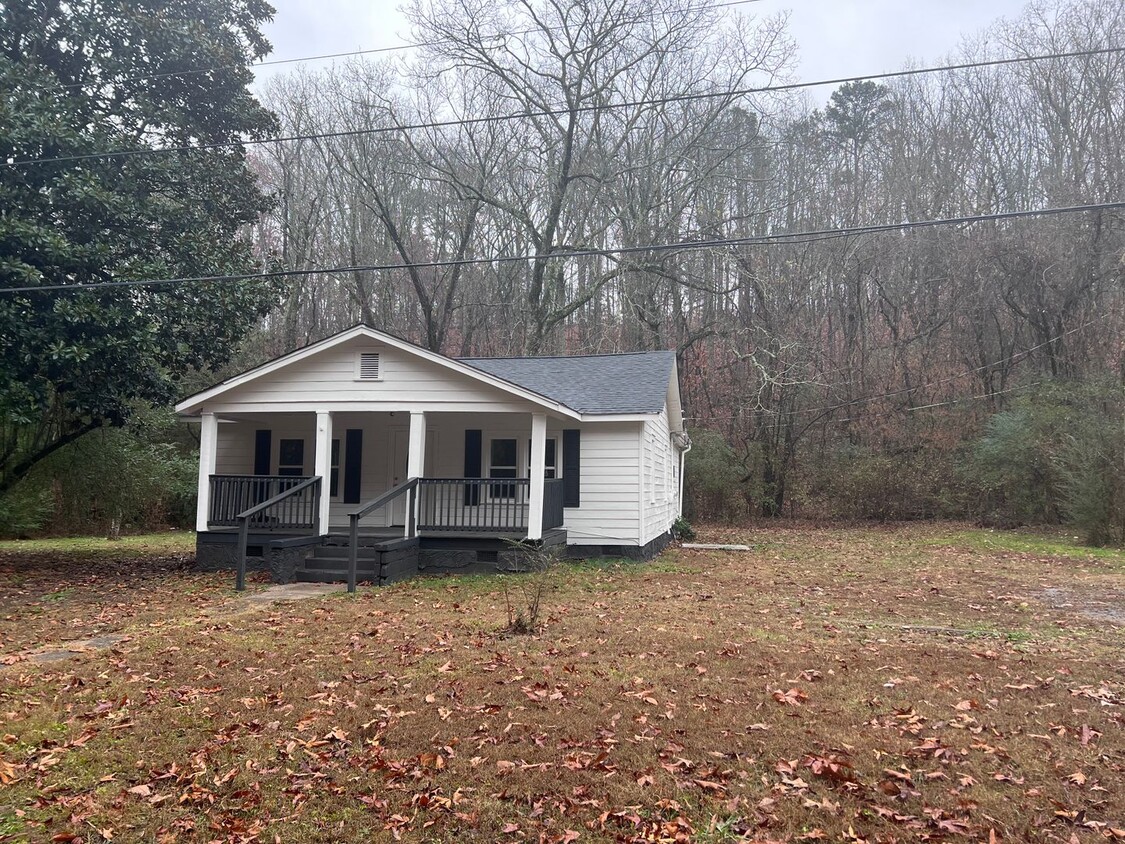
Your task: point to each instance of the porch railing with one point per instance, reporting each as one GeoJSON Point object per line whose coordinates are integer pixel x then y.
{"type": "Point", "coordinates": [473, 504]}
{"type": "Point", "coordinates": [484, 504]}
{"type": "Point", "coordinates": [410, 489]}
{"type": "Point", "coordinates": [553, 498]}
{"type": "Point", "coordinates": [300, 502]}
{"type": "Point", "coordinates": [232, 495]}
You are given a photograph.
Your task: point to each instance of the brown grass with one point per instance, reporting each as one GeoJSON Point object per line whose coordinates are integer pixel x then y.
{"type": "Point", "coordinates": [838, 684]}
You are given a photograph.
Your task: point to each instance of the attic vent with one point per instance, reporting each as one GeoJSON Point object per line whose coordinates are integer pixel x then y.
{"type": "Point", "coordinates": [369, 366]}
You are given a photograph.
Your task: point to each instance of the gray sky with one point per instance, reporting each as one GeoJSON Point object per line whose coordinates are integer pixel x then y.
{"type": "Point", "coordinates": [834, 37]}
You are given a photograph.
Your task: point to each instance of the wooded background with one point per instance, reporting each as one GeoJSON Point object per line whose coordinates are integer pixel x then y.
{"type": "Point", "coordinates": [965, 370]}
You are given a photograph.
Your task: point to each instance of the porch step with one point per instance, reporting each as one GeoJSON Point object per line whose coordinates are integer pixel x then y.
{"type": "Point", "coordinates": [381, 560]}
{"type": "Point", "coordinates": [308, 575]}
{"type": "Point", "coordinates": [340, 564]}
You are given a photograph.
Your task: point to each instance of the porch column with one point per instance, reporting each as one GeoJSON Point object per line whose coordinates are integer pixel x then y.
{"type": "Point", "coordinates": [416, 453]}
{"type": "Point", "coordinates": [208, 445]}
{"type": "Point", "coordinates": [323, 466]}
{"type": "Point", "coordinates": [415, 467]}
{"type": "Point", "coordinates": [538, 471]}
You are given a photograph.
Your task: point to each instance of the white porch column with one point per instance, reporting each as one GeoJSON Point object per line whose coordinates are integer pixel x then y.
{"type": "Point", "coordinates": [415, 465]}
{"type": "Point", "coordinates": [208, 446]}
{"type": "Point", "coordinates": [416, 453]}
{"type": "Point", "coordinates": [538, 471]}
{"type": "Point", "coordinates": [323, 465]}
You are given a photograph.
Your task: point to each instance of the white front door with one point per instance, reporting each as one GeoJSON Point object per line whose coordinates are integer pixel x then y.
{"type": "Point", "coordinates": [396, 513]}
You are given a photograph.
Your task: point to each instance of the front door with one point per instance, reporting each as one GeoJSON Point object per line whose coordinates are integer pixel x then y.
{"type": "Point", "coordinates": [396, 513]}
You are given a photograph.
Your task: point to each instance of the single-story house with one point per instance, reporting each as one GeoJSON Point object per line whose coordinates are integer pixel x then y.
{"type": "Point", "coordinates": [444, 462]}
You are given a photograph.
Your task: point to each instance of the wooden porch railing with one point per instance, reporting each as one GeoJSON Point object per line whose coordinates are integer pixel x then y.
{"type": "Point", "coordinates": [491, 505]}
{"type": "Point", "coordinates": [410, 489]}
{"type": "Point", "coordinates": [553, 498]}
{"type": "Point", "coordinates": [484, 505]}
{"type": "Point", "coordinates": [231, 495]}
{"type": "Point", "coordinates": [300, 498]}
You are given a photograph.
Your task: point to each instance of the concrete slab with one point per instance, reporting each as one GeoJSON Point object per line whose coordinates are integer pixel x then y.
{"type": "Point", "coordinates": [709, 546]}
{"type": "Point", "coordinates": [295, 592]}
{"type": "Point", "coordinates": [68, 649]}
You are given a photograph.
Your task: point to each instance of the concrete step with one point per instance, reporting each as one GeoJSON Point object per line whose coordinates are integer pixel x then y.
{"type": "Point", "coordinates": [341, 554]}
{"type": "Point", "coordinates": [332, 576]}
{"type": "Point", "coordinates": [338, 565]}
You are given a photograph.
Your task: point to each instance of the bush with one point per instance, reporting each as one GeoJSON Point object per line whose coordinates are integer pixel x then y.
{"type": "Point", "coordinates": [716, 482]}
{"type": "Point", "coordinates": [682, 529]}
{"type": "Point", "coordinates": [138, 475]}
{"type": "Point", "coordinates": [1056, 456]}
{"type": "Point", "coordinates": [1091, 479]}
{"type": "Point", "coordinates": [858, 483]}
{"type": "Point", "coordinates": [23, 511]}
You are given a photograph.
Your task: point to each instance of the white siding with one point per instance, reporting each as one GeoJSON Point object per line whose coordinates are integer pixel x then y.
{"type": "Point", "coordinates": [660, 487]}
{"type": "Point", "coordinates": [329, 380]}
{"type": "Point", "coordinates": [610, 486]}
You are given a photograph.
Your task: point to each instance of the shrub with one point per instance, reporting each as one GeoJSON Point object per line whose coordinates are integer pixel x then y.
{"type": "Point", "coordinates": [717, 483]}
{"type": "Point", "coordinates": [138, 475]}
{"type": "Point", "coordinates": [24, 510]}
{"type": "Point", "coordinates": [1056, 456]}
{"type": "Point", "coordinates": [858, 483]}
{"type": "Point", "coordinates": [682, 529]}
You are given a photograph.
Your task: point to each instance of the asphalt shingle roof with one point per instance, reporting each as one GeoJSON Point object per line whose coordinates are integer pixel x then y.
{"type": "Point", "coordinates": [626, 383]}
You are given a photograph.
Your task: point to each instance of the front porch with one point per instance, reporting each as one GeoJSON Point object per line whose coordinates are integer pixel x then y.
{"type": "Point", "coordinates": [323, 480]}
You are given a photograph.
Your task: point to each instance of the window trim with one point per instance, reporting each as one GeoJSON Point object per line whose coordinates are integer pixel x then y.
{"type": "Point", "coordinates": [556, 468]}
{"type": "Point", "coordinates": [335, 451]}
{"type": "Point", "coordinates": [514, 468]}
{"type": "Point", "coordinates": [286, 469]}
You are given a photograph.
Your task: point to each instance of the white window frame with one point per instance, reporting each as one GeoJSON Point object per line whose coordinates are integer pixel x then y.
{"type": "Point", "coordinates": [489, 467]}
{"type": "Point", "coordinates": [556, 469]}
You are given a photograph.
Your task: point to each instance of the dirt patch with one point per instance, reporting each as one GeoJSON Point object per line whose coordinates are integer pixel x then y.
{"type": "Point", "coordinates": [1102, 605]}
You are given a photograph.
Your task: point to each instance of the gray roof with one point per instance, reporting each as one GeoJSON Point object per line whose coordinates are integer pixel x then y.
{"type": "Point", "coordinates": [626, 383]}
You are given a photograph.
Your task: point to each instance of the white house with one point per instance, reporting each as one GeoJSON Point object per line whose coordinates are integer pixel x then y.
{"type": "Point", "coordinates": [447, 460]}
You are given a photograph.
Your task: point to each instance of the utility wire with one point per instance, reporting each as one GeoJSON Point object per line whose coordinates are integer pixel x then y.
{"type": "Point", "coordinates": [394, 48]}
{"type": "Point", "coordinates": [560, 111]}
{"type": "Point", "coordinates": [1014, 359]}
{"type": "Point", "coordinates": [683, 245]}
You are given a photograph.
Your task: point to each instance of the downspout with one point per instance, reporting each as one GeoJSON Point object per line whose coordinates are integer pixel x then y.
{"type": "Point", "coordinates": [680, 501]}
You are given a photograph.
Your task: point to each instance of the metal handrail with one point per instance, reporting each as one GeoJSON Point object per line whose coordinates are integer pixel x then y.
{"type": "Point", "coordinates": [408, 487]}
{"type": "Point", "coordinates": [244, 524]}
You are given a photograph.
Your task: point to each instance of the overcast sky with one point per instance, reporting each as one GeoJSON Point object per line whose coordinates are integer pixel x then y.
{"type": "Point", "coordinates": [835, 37]}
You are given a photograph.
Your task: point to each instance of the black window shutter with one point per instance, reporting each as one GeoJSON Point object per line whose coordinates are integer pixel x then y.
{"type": "Point", "coordinates": [472, 466]}
{"type": "Point", "coordinates": [572, 467]}
{"type": "Point", "coordinates": [353, 464]}
{"type": "Point", "coordinates": [263, 446]}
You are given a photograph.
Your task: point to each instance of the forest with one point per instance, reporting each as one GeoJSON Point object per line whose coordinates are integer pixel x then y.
{"type": "Point", "coordinates": [868, 324]}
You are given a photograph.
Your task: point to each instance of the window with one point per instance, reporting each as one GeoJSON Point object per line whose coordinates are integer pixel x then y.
{"type": "Point", "coordinates": [502, 463]}
{"type": "Point", "coordinates": [291, 457]}
{"type": "Point", "coordinates": [334, 475]}
{"type": "Point", "coordinates": [550, 459]}
{"type": "Point", "coordinates": [367, 369]}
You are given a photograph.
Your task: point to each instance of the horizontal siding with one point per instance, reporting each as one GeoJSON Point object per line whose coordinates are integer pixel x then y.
{"type": "Point", "coordinates": [328, 379]}
{"type": "Point", "coordinates": [609, 487]}
{"type": "Point", "coordinates": [660, 492]}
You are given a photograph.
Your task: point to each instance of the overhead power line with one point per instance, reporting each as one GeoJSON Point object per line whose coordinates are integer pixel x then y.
{"type": "Point", "coordinates": [811, 236]}
{"type": "Point", "coordinates": [560, 111]}
{"type": "Point", "coordinates": [393, 48]}
{"type": "Point", "coordinates": [1015, 358]}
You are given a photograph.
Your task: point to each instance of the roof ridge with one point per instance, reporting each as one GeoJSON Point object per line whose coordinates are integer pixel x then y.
{"type": "Point", "coordinates": [570, 357]}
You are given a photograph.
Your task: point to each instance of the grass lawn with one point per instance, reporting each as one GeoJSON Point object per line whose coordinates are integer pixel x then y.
{"type": "Point", "coordinates": [837, 684]}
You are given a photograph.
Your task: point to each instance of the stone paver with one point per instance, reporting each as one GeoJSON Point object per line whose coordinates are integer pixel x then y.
{"type": "Point", "coordinates": [295, 592]}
